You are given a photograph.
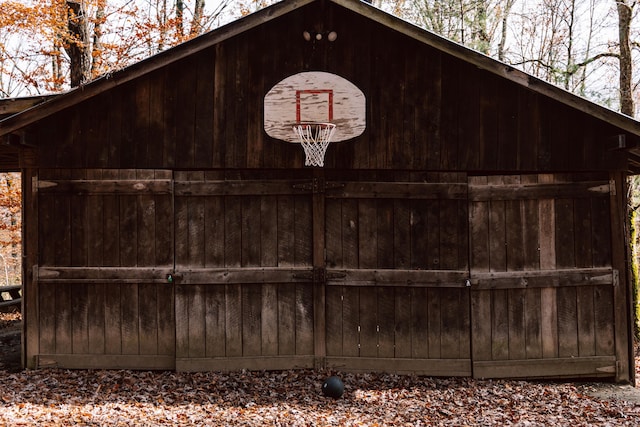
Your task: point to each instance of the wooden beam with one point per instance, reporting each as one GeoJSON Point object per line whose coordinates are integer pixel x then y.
{"type": "Point", "coordinates": [103, 275]}
{"type": "Point", "coordinates": [430, 367]}
{"type": "Point", "coordinates": [412, 278]}
{"type": "Point", "coordinates": [531, 191]}
{"type": "Point", "coordinates": [544, 278]}
{"type": "Point", "coordinates": [107, 186]}
{"type": "Point", "coordinates": [215, 276]}
{"type": "Point", "coordinates": [239, 188]}
{"type": "Point", "coordinates": [105, 361]}
{"type": "Point", "coordinates": [258, 363]}
{"type": "Point", "coordinates": [397, 190]}
{"type": "Point", "coordinates": [571, 367]}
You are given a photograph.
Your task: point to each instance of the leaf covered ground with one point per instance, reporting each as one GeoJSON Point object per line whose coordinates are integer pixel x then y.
{"type": "Point", "coordinates": [294, 398]}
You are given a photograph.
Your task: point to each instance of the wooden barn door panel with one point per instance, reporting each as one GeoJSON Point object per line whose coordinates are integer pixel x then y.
{"type": "Point", "coordinates": [541, 276]}
{"type": "Point", "coordinates": [105, 252]}
{"type": "Point", "coordinates": [244, 294]}
{"type": "Point", "coordinates": [396, 295]}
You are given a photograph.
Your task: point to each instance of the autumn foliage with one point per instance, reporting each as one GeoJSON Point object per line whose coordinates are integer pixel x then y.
{"type": "Point", "coordinates": [50, 45]}
{"type": "Point", "coordinates": [10, 228]}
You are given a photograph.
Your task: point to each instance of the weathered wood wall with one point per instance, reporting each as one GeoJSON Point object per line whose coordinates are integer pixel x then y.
{"type": "Point", "coordinates": [168, 230]}
{"type": "Point", "coordinates": [541, 275]}
{"type": "Point", "coordinates": [105, 247]}
{"type": "Point", "coordinates": [425, 110]}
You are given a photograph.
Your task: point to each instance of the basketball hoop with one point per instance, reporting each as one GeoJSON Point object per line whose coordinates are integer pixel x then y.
{"type": "Point", "coordinates": [315, 138]}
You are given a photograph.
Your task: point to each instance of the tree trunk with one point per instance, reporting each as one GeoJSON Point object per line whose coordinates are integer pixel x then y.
{"type": "Point", "coordinates": [196, 22]}
{"type": "Point", "coordinates": [625, 13]}
{"type": "Point", "coordinates": [77, 46]}
{"type": "Point", "coordinates": [179, 19]}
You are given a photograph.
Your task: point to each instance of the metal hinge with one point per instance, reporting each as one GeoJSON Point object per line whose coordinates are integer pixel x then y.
{"type": "Point", "coordinates": [612, 187]}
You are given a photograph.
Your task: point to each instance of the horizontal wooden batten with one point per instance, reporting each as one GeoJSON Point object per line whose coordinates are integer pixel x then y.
{"type": "Point", "coordinates": [103, 275]}
{"type": "Point", "coordinates": [104, 186]}
{"type": "Point", "coordinates": [478, 193]}
{"type": "Point", "coordinates": [430, 367]}
{"type": "Point", "coordinates": [396, 190]}
{"type": "Point", "coordinates": [544, 278]}
{"type": "Point", "coordinates": [215, 276]}
{"type": "Point", "coordinates": [570, 367]}
{"type": "Point", "coordinates": [258, 363]}
{"type": "Point", "coordinates": [105, 361]}
{"type": "Point", "coordinates": [416, 278]}
{"type": "Point", "coordinates": [238, 188]}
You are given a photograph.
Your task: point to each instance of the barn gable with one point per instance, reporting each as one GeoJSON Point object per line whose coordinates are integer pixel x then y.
{"type": "Point", "coordinates": [474, 226]}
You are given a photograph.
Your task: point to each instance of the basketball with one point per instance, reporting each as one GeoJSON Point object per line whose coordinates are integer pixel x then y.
{"type": "Point", "coordinates": [333, 387]}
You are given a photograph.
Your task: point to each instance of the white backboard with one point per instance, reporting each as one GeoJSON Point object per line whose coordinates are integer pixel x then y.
{"type": "Point", "coordinates": [314, 96]}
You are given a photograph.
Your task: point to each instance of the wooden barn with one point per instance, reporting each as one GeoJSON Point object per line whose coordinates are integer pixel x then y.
{"type": "Point", "coordinates": [467, 219]}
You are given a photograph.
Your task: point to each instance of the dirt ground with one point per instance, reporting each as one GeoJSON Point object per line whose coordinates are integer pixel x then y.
{"type": "Point", "coordinates": [10, 361]}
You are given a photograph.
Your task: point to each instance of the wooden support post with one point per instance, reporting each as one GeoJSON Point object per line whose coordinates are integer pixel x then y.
{"type": "Point", "coordinates": [319, 279]}
{"type": "Point", "coordinates": [621, 292]}
{"type": "Point", "coordinates": [30, 318]}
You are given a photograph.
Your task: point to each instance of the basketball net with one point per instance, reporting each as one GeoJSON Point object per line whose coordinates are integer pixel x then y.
{"type": "Point", "coordinates": [315, 138]}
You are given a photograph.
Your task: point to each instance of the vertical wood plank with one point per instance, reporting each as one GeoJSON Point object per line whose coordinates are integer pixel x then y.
{"type": "Point", "coordinates": [403, 322]}
{"type": "Point", "coordinates": [182, 321]}
{"type": "Point", "coordinates": [286, 231]}
{"type": "Point", "coordinates": [130, 319]}
{"type": "Point", "coordinates": [304, 320]}
{"type": "Point", "coordinates": [368, 322]}
{"type": "Point", "coordinates": [79, 298]}
{"type": "Point", "coordinates": [499, 324]}
{"type": "Point", "coordinates": [367, 236]}
{"type": "Point", "coordinates": [269, 320]}
{"type": "Point", "coordinates": [431, 323]}
{"type": "Point", "coordinates": [351, 321]}
{"type": "Point", "coordinates": [63, 319]}
{"type": "Point", "coordinates": [286, 319]}
{"type": "Point", "coordinates": [481, 313]}
{"type": "Point", "coordinates": [197, 338]}
{"type": "Point", "coordinates": [251, 320]}
{"type": "Point", "coordinates": [548, 296]}
{"type": "Point", "coordinates": [113, 319]}
{"type": "Point", "coordinates": [47, 319]}
{"type": "Point", "coordinates": [335, 321]}
{"type": "Point", "coordinates": [204, 111]}
{"type": "Point", "coordinates": [214, 232]}
{"type": "Point", "coordinates": [386, 321]}
{"type": "Point", "coordinates": [215, 314]}
{"type": "Point", "coordinates": [233, 320]}
{"type": "Point", "coordinates": [148, 312]}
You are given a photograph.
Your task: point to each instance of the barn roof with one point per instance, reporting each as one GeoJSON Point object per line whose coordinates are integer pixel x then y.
{"type": "Point", "coordinates": [49, 106]}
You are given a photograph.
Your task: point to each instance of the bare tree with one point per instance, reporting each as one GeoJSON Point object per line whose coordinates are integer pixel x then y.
{"type": "Point", "coordinates": [625, 14]}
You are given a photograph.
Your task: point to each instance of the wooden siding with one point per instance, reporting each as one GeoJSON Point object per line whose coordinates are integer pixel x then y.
{"type": "Point", "coordinates": [425, 110]}
{"type": "Point", "coordinates": [396, 261]}
{"type": "Point", "coordinates": [541, 275]}
{"type": "Point", "coordinates": [165, 229]}
{"type": "Point", "coordinates": [243, 264]}
{"type": "Point", "coordinates": [104, 252]}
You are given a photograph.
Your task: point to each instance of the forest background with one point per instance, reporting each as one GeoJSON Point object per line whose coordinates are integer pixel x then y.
{"type": "Point", "coordinates": [588, 47]}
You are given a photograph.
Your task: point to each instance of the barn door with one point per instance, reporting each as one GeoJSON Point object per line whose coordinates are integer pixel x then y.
{"type": "Point", "coordinates": [243, 274]}
{"type": "Point", "coordinates": [396, 274]}
{"type": "Point", "coordinates": [105, 250]}
{"type": "Point", "coordinates": [542, 282]}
